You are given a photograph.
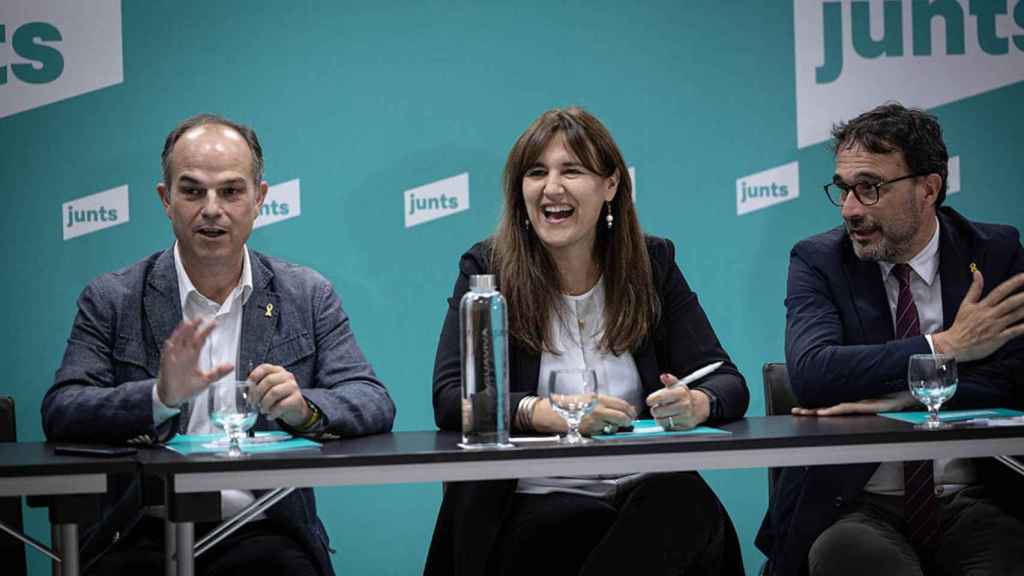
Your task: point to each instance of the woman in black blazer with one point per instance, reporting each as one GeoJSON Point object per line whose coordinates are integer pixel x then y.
{"type": "Point", "coordinates": [586, 288]}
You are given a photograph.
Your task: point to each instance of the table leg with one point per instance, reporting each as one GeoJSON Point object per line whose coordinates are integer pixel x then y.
{"type": "Point", "coordinates": [170, 566]}
{"type": "Point", "coordinates": [69, 549]}
{"type": "Point", "coordinates": [1012, 463]}
{"type": "Point", "coordinates": [185, 543]}
{"type": "Point", "coordinates": [55, 545]}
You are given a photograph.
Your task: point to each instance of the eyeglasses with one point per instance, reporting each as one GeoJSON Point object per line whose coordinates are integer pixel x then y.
{"type": "Point", "coordinates": [866, 193]}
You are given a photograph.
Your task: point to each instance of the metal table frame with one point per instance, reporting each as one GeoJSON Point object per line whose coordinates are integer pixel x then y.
{"type": "Point", "coordinates": [410, 457]}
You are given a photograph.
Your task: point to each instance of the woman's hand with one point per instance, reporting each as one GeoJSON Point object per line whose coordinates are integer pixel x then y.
{"type": "Point", "coordinates": [677, 407]}
{"type": "Point", "coordinates": [546, 420]}
{"type": "Point", "coordinates": [610, 412]}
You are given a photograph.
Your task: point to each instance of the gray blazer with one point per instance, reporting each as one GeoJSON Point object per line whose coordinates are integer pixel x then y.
{"type": "Point", "coordinates": [102, 391]}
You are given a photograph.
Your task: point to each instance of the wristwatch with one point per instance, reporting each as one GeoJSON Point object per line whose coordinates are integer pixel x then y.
{"type": "Point", "coordinates": [714, 410]}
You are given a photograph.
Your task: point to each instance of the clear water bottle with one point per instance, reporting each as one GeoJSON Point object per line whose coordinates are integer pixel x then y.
{"type": "Point", "coordinates": [484, 348]}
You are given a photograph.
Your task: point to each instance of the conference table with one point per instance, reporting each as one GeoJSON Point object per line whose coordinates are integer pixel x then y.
{"type": "Point", "coordinates": [71, 486]}
{"type": "Point", "coordinates": [407, 457]}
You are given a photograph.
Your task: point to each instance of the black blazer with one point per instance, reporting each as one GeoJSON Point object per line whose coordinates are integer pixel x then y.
{"type": "Point", "coordinates": [682, 341]}
{"type": "Point", "coordinates": [841, 346]}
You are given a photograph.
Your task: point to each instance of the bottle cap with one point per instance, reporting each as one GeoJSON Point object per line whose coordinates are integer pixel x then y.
{"type": "Point", "coordinates": [482, 282]}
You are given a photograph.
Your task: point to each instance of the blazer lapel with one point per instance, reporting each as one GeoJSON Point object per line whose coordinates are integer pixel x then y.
{"type": "Point", "coordinates": [527, 368]}
{"type": "Point", "coordinates": [162, 304]}
{"type": "Point", "coordinates": [867, 292]}
{"type": "Point", "coordinates": [647, 366]}
{"type": "Point", "coordinates": [260, 317]}
{"type": "Point", "coordinates": [954, 271]}
{"type": "Point", "coordinates": [162, 301]}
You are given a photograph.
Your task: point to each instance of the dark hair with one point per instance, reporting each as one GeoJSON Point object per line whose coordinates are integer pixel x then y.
{"type": "Point", "coordinates": [526, 272]}
{"type": "Point", "coordinates": [892, 127]}
{"type": "Point", "coordinates": [201, 120]}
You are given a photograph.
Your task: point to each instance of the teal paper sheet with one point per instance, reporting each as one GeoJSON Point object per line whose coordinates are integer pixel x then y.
{"type": "Point", "coordinates": [649, 429]}
{"type": "Point", "coordinates": [953, 415]}
{"type": "Point", "coordinates": [265, 442]}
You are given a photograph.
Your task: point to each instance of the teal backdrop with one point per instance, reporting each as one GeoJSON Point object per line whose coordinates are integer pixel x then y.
{"type": "Point", "coordinates": [362, 101]}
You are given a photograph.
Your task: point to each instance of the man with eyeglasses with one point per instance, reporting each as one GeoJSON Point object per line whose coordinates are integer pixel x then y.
{"type": "Point", "coordinates": [904, 275]}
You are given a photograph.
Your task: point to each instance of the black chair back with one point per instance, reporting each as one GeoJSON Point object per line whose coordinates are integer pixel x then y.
{"type": "Point", "coordinates": [778, 400]}
{"type": "Point", "coordinates": [778, 396]}
{"type": "Point", "coordinates": [11, 550]}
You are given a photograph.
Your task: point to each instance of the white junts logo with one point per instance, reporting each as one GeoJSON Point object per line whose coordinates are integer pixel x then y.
{"type": "Point", "coordinates": [94, 212]}
{"type": "Point", "coordinates": [436, 200]}
{"type": "Point", "coordinates": [283, 202]}
{"type": "Point", "coordinates": [52, 50]}
{"type": "Point", "coordinates": [852, 55]}
{"type": "Point", "coordinates": [767, 188]}
{"type": "Point", "coordinates": [953, 175]}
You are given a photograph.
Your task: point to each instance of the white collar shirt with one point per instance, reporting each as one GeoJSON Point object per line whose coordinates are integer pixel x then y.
{"type": "Point", "coordinates": [221, 347]}
{"type": "Point", "coordinates": [926, 286]}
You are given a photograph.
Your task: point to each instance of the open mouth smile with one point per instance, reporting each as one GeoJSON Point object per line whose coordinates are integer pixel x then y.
{"type": "Point", "coordinates": [557, 212]}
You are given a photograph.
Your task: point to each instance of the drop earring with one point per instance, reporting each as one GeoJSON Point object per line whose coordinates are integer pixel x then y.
{"type": "Point", "coordinates": [609, 218]}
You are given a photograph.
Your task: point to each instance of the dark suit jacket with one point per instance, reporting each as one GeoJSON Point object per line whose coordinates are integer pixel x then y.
{"type": "Point", "coordinates": [102, 391]}
{"type": "Point", "coordinates": [841, 346]}
{"type": "Point", "coordinates": [682, 341]}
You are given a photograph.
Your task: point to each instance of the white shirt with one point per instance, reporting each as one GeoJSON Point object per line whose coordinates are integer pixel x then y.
{"type": "Point", "coordinates": [925, 285]}
{"type": "Point", "coordinates": [221, 347]}
{"type": "Point", "coordinates": [576, 335]}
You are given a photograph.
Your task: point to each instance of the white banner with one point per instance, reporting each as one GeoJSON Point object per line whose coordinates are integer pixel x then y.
{"type": "Point", "coordinates": [853, 56]}
{"type": "Point", "coordinates": [436, 200]}
{"type": "Point", "coordinates": [94, 212]}
{"type": "Point", "coordinates": [283, 202]}
{"type": "Point", "coordinates": [767, 188]}
{"type": "Point", "coordinates": [51, 50]}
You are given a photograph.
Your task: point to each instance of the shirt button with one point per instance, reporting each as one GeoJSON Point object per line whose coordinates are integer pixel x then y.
{"type": "Point", "coordinates": [939, 490]}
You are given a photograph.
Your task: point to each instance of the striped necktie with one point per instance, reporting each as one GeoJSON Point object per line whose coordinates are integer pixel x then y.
{"type": "Point", "coordinates": [920, 508]}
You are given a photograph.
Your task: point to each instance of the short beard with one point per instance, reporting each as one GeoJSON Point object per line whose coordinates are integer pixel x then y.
{"type": "Point", "coordinates": [883, 251]}
{"type": "Point", "coordinates": [895, 242]}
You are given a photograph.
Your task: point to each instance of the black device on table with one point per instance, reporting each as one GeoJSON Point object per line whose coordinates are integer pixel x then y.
{"type": "Point", "coordinates": [95, 450]}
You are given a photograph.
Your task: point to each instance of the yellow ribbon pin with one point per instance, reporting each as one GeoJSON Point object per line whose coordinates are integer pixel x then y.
{"type": "Point", "coordinates": [974, 267]}
{"type": "Point", "coordinates": [270, 310]}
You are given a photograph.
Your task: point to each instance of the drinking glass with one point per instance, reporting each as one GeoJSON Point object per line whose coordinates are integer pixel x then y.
{"type": "Point", "coordinates": [231, 410]}
{"type": "Point", "coordinates": [933, 380]}
{"type": "Point", "coordinates": [573, 394]}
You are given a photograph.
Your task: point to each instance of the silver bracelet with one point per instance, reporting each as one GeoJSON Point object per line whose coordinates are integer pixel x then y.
{"type": "Point", "coordinates": [524, 412]}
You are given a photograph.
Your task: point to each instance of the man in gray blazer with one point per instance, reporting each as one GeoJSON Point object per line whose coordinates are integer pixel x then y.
{"type": "Point", "coordinates": [149, 339]}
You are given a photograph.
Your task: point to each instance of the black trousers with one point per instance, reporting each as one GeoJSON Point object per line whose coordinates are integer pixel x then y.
{"type": "Point", "coordinates": [977, 538]}
{"type": "Point", "coordinates": [664, 524]}
{"type": "Point", "coordinates": [255, 548]}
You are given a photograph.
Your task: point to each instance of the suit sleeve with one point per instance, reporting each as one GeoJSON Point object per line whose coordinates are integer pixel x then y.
{"type": "Point", "coordinates": [447, 394]}
{"type": "Point", "coordinates": [352, 399]}
{"type": "Point", "coordinates": [692, 344]}
{"type": "Point", "coordinates": [86, 390]}
{"type": "Point", "coordinates": [823, 370]}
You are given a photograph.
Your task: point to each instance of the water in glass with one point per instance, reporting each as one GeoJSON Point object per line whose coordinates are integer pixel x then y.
{"type": "Point", "coordinates": [573, 394]}
{"type": "Point", "coordinates": [933, 380]}
{"type": "Point", "coordinates": [232, 411]}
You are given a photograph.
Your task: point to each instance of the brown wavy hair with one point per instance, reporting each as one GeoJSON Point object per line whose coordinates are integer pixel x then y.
{"type": "Point", "coordinates": [527, 274]}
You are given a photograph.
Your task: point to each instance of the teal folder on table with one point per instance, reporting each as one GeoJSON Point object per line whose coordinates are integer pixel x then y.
{"type": "Point", "coordinates": [955, 415]}
{"type": "Point", "coordinates": [649, 429]}
{"type": "Point", "coordinates": [262, 443]}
